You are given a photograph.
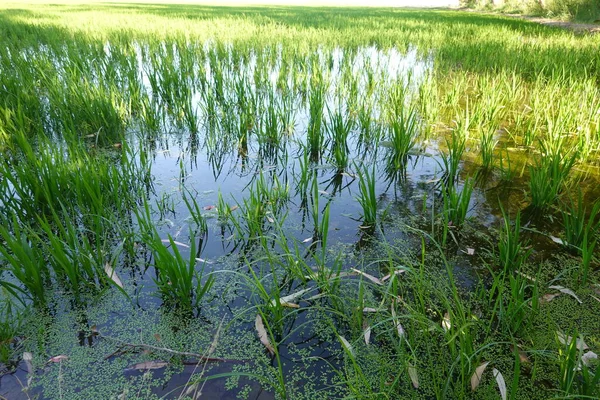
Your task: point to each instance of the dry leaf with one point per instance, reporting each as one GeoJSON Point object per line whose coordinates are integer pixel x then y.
{"type": "Point", "coordinates": [470, 251]}
{"type": "Point", "coordinates": [368, 276]}
{"type": "Point", "coordinates": [396, 272]}
{"type": "Point", "coordinates": [233, 208]}
{"type": "Point", "coordinates": [289, 305]}
{"type": "Point", "coordinates": [501, 383]}
{"type": "Point", "coordinates": [147, 365]}
{"type": "Point", "coordinates": [291, 297]}
{"type": "Point", "coordinates": [414, 378]}
{"type": "Point", "coordinates": [167, 241]}
{"type": "Point", "coordinates": [558, 240]}
{"type": "Point", "coordinates": [522, 355]}
{"type": "Point", "coordinates": [110, 271]}
{"type": "Point", "coordinates": [567, 340]}
{"type": "Point", "coordinates": [367, 332]}
{"type": "Point", "coordinates": [262, 334]}
{"type": "Point", "coordinates": [208, 208]}
{"type": "Point", "coordinates": [524, 275]}
{"type": "Point", "coordinates": [324, 193]}
{"type": "Point", "coordinates": [369, 310]}
{"type": "Point", "coordinates": [191, 391]}
{"type": "Point", "coordinates": [307, 240]}
{"type": "Point", "coordinates": [476, 377]}
{"type": "Point", "coordinates": [548, 297]}
{"type": "Point", "coordinates": [586, 358]}
{"type": "Point", "coordinates": [347, 345]}
{"type": "Point", "coordinates": [28, 357]}
{"type": "Point", "coordinates": [399, 327]}
{"type": "Point", "coordinates": [568, 291]}
{"type": "Point", "coordinates": [446, 324]}
{"type": "Point", "coordinates": [57, 359]}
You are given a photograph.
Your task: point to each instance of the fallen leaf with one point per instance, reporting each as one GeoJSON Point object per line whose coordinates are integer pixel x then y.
{"type": "Point", "coordinates": [548, 297]}
{"type": "Point", "coordinates": [399, 327]}
{"type": "Point", "coordinates": [565, 290]}
{"type": "Point", "coordinates": [324, 193]}
{"type": "Point", "coordinates": [470, 251]}
{"type": "Point", "coordinates": [262, 334]}
{"type": "Point", "coordinates": [367, 332]}
{"type": "Point", "coordinates": [396, 272]}
{"type": "Point", "coordinates": [446, 324]}
{"type": "Point", "coordinates": [501, 383]}
{"type": "Point", "coordinates": [271, 220]}
{"type": "Point", "coordinates": [368, 276]}
{"type": "Point", "coordinates": [347, 345]}
{"type": "Point", "coordinates": [586, 358]}
{"type": "Point", "coordinates": [167, 241]}
{"type": "Point", "coordinates": [558, 240]}
{"type": "Point", "coordinates": [208, 208]}
{"type": "Point", "coordinates": [476, 377]}
{"type": "Point", "coordinates": [110, 271]}
{"type": "Point", "coordinates": [28, 357]}
{"type": "Point", "coordinates": [414, 378]}
{"type": "Point", "coordinates": [369, 309]}
{"type": "Point", "coordinates": [202, 260]}
{"type": "Point", "coordinates": [233, 208]}
{"type": "Point", "coordinates": [307, 240]}
{"type": "Point", "coordinates": [522, 355]}
{"type": "Point", "coordinates": [567, 340]}
{"type": "Point", "coordinates": [291, 297]}
{"type": "Point", "coordinates": [524, 275]}
{"type": "Point", "coordinates": [147, 365]}
{"type": "Point", "coordinates": [57, 359]}
{"type": "Point", "coordinates": [290, 305]}
{"type": "Point", "coordinates": [192, 392]}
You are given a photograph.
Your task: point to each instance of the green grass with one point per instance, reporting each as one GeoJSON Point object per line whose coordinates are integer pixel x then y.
{"type": "Point", "coordinates": [275, 122]}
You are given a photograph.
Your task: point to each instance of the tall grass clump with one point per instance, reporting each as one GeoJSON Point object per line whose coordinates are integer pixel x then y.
{"type": "Point", "coordinates": [580, 231]}
{"type": "Point", "coordinates": [404, 131]}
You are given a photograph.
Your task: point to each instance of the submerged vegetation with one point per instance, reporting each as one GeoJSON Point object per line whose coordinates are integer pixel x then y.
{"type": "Point", "coordinates": [315, 203]}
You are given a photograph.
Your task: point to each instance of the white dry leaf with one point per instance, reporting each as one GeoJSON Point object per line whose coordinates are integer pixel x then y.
{"type": "Point", "coordinates": [446, 323]}
{"type": "Point", "coordinates": [346, 345]}
{"type": "Point", "coordinates": [396, 272]}
{"type": "Point", "coordinates": [567, 340]}
{"type": "Point", "coordinates": [548, 297]}
{"type": "Point", "coordinates": [368, 276]}
{"type": "Point", "coordinates": [414, 378]}
{"type": "Point", "coordinates": [586, 359]}
{"type": "Point", "coordinates": [558, 240]}
{"type": "Point", "coordinates": [167, 241]}
{"type": "Point", "coordinates": [307, 240]}
{"type": "Point", "coordinates": [57, 359]}
{"type": "Point", "coordinates": [110, 271]}
{"type": "Point", "coordinates": [203, 260]}
{"type": "Point", "coordinates": [500, 382]}
{"type": "Point", "coordinates": [370, 310]}
{"type": "Point", "coordinates": [263, 335]}
{"type": "Point", "coordinates": [290, 298]}
{"type": "Point", "coordinates": [568, 291]}
{"type": "Point", "coordinates": [192, 391]}
{"type": "Point", "coordinates": [28, 357]}
{"type": "Point", "coordinates": [399, 327]}
{"type": "Point", "coordinates": [148, 365]}
{"type": "Point", "coordinates": [476, 377]}
{"type": "Point", "coordinates": [367, 332]}
{"type": "Point", "coordinates": [529, 277]}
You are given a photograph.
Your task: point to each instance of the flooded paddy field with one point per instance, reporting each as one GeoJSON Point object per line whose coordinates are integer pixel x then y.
{"type": "Point", "coordinates": [283, 202]}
